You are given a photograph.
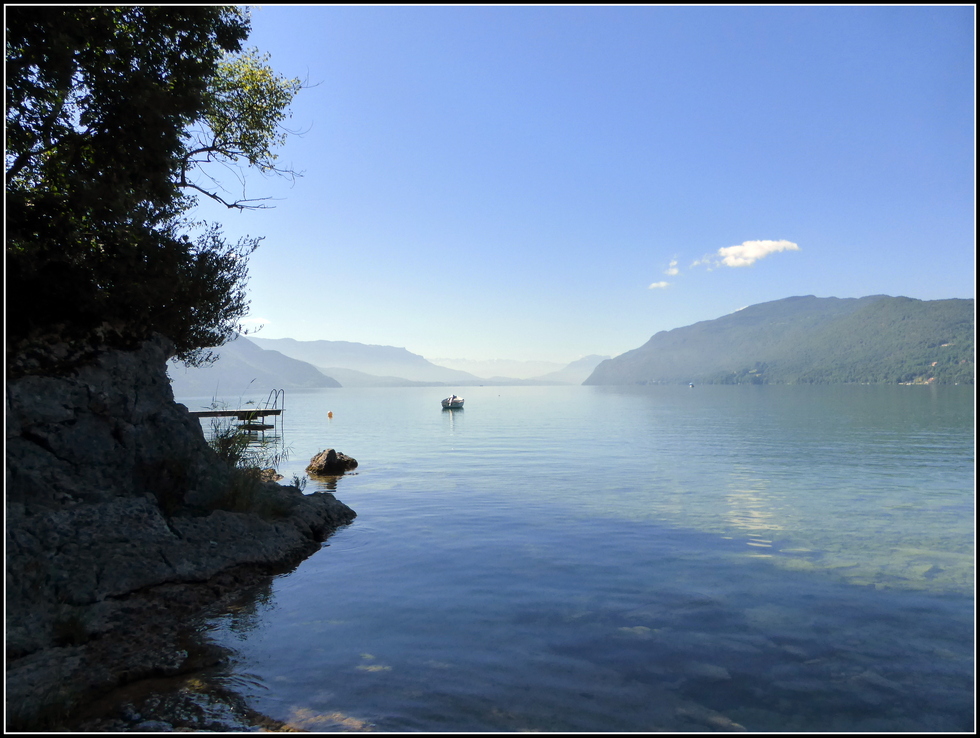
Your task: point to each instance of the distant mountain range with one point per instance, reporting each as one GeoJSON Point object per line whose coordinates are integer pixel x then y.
{"type": "Point", "coordinates": [240, 364]}
{"type": "Point", "coordinates": [798, 340]}
{"type": "Point", "coordinates": [381, 361]}
{"type": "Point", "coordinates": [501, 367]}
{"type": "Point", "coordinates": [576, 372]}
{"type": "Point", "coordinates": [285, 363]}
{"type": "Point", "coordinates": [364, 365]}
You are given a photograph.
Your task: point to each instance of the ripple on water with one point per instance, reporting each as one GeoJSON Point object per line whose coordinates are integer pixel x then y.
{"type": "Point", "coordinates": [601, 558]}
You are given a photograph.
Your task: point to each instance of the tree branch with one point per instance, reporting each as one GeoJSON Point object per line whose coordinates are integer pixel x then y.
{"type": "Point", "coordinates": [239, 204]}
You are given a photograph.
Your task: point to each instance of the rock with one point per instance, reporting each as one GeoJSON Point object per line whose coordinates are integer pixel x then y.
{"type": "Point", "coordinates": [330, 463]}
{"type": "Point", "coordinates": [128, 713]}
{"type": "Point", "coordinates": [269, 475]}
{"type": "Point", "coordinates": [153, 726]}
{"type": "Point", "coordinates": [113, 493]}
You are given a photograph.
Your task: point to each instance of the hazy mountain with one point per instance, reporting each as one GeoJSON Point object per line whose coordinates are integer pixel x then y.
{"type": "Point", "coordinates": [382, 361]}
{"type": "Point", "coordinates": [576, 372]}
{"type": "Point", "coordinates": [501, 368]}
{"type": "Point", "coordinates": [239, 363]}
{"type": "Point", "coordinates": [363, 365]}
{"type": "Point", "coordinates": [354, 378]}
{"type": "Point", "coordinates": [810, 339]}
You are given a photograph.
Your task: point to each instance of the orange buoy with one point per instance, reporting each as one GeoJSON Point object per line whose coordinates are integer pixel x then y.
{"type": "Point", "coordinates": [330, 414]}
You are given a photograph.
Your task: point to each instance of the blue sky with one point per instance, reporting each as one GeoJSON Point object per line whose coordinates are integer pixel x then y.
{"type": "Point", "coordinates": [542, 183]}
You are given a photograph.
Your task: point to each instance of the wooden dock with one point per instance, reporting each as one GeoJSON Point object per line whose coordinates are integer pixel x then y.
{"type": "Point", "coordinates": [240, 414]}
{"type": "Point", "coordinates": [251, 420]}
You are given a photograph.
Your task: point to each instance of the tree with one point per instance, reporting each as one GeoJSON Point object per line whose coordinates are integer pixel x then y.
{"type": "Point", "coordinates": [115, 117]}
{"type": "Point", "coordinates": [245, 105]}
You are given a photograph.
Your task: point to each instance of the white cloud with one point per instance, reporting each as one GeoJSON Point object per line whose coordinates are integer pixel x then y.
{"type": "Point", "coordinates": [672, 270]}
{"type": "Point", "coordinates": [749, 252]}
{"type": "Point", "coordinates": [659, 285]}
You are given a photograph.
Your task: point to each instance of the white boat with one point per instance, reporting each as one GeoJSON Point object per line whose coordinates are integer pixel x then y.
{"type": "Point", "coordinates": [453, 403]}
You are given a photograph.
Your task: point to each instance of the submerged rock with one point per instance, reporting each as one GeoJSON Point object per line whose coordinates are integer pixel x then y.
{"type": "Point", "coordinates": [710, 672]}
{"type": "Point", "coordinates": [330, 463]}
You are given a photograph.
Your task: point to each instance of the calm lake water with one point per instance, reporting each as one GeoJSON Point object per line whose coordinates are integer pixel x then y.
{"type": "Point", "coordinates": [627, 559]}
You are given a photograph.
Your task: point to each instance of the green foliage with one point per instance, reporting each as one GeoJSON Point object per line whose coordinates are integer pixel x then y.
{"type": "Point", "coordinates": [247, 492]}
{"type": "Point", "coordinates": [246, 489]}
{"type": "Point", "coordinates": [239, 448]}
{"type": "Point", "coordinates": [111, 113]}
{"type": "Point", "coordinates": [246, 104]}
{"type": "Point", "coordinates": [893, 340]}
{"type": "Point", "coordinates": [98, 98]}
{"type": "Point", "coordinates": [804, 340]}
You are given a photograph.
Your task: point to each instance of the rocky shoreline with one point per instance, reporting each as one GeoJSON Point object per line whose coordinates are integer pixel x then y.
{"type": "Point", "coordinates": [149, 672]}
{"type": "Point", "coordinates": [124, 531]}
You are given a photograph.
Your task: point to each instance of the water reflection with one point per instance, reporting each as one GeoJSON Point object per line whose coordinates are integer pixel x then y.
{"type": "Point", "coordinates": [586, 587]}
{"type": "Point", "coordinates": [752, 509]}
{"type": "Point", "coordinates": [244, 614]}
{"type": "Point", "coordinates": [449, 413]}
{"type": "Point", "coordinates": [208, 693]}
{"type": "Point", "coordinates": [325, 483]}
{"type": "Point", "coordinates": [249, 442]}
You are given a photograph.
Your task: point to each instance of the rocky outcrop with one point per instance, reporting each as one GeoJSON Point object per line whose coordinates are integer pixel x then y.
{"type": "Point", "coordinates": [330, 463]}
{"type": "Point", "coordinates": [112, 494]}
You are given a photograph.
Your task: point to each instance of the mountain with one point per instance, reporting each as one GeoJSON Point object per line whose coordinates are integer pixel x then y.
{"type": "Point", "coordinates": [354, 378]}
{"type": "Point", "coordinates": [240, 362]}
{"type": "Point", "coordinates": [501, 368]}
{"type": "Point", "coordinates": [382, 361]}
{"type": "Point", "coordinates": [576, 372]}
{"type": "Point", "coordinates": [364, 365]}
{"type": "Point", "coordinates": [797, 340]}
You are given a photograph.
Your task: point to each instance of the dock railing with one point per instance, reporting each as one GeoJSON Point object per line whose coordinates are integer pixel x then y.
{"type": "Point", "coordinates": [253, 419]}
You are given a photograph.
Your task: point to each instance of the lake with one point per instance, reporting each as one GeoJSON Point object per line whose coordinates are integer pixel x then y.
{"type": "Point", "coordinates": [778, 558]}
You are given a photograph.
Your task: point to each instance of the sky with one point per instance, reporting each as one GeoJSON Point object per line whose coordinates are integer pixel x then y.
{"type": "Point", "coordinates": [544, 183]}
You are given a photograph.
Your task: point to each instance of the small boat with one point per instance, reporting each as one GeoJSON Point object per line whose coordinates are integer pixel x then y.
{"type": "Point", "coordinates": [452, 403]}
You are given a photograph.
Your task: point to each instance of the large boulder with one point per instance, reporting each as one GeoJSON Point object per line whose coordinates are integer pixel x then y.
{"type": "Point", "coordinates": [330, 463]}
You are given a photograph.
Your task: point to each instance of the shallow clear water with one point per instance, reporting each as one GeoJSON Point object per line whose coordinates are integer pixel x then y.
{"type": "Point", "coordinates": [628, 559]}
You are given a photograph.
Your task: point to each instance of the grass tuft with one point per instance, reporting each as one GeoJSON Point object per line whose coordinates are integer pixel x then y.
{"type": "Point", "coordinates": [249, 458]}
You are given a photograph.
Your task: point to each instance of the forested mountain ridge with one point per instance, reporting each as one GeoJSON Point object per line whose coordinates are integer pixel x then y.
{"type": "Point", "coordinates": [804, 340]}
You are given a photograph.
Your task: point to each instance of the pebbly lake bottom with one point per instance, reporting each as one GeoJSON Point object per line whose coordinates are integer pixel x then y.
{"type": "Point", "coordinates": [579, 571]}
{"type": "Point", "coordinates": [605, 628]}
